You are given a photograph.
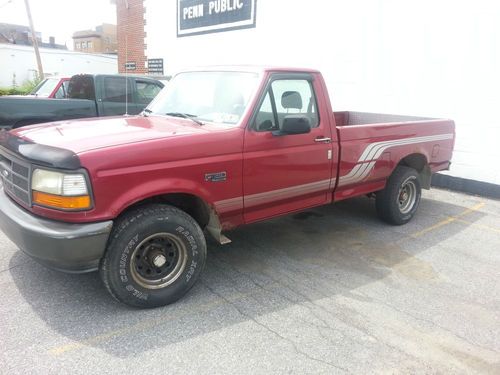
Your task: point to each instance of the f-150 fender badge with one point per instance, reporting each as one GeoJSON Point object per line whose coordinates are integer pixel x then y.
{"type": "Point", "coordinates": [216, 176]}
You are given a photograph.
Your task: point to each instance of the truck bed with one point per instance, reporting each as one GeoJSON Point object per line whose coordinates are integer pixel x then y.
{"type": "Point", "coordinates": [19, 111]}
{"type": "Point", "coordinates": [373, 144]}
{"type": "Point", "coordinates": [349, 118]}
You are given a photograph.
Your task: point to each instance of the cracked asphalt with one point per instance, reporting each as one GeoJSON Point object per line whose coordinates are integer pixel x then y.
{"type": "Point", "coordinates": [330, 290]}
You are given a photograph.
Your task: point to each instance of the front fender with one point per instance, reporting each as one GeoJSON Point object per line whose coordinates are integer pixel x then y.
{"type": "Point", "coordinates": [159, 187]}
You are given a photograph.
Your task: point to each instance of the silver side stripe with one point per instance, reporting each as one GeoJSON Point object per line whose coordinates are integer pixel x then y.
{"type": "Point", "coordinates": [364, 166]}
{"type": "Point", "coordinates": [373, 151]}
{"type": "Point", "coordinates": [361, 171]}
{"type": "Point", "coordinates": [289, 192]}
{"type": "Point", "coordinates": [229, 204]}
{"type": "Point", "coordinates": [273, 195]}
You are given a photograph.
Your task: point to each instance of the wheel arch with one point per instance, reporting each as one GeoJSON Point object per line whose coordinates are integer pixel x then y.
{"type": "Point", "coordinates": [198, 208]}
{"type": "Point", "coordinates": [190, 203]}
{"type": "Point", "coordinates": [419, 162]}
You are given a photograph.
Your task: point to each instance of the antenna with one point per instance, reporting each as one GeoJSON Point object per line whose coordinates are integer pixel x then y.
{"type": "Point", "coordinates": [126, 73]}
{"type": "Point", "coordinates": [126, 60]}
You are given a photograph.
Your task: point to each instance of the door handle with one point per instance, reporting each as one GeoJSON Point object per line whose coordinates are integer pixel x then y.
{"type": "Point", "coordinates": [323, 140]}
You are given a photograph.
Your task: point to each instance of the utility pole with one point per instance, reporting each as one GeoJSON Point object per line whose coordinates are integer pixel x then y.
{"type": "Point", "coordinates": [35, 41]}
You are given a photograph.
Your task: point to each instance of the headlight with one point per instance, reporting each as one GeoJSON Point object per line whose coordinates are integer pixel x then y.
{"type": "Point", "coordinates": [67, 191]}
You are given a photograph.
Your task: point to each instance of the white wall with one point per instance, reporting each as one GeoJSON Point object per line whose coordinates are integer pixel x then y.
{"type": "Point", "coordinates": [21, 61]}
{"type": "Point", "coordinates": [434, 58]}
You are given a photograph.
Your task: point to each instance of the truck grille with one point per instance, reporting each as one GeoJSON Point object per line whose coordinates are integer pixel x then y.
{"type": "Point", "coordinates": [15, 176]}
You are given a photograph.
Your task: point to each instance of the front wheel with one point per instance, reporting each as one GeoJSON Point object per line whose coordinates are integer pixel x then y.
{"type": "Point", "coordinates": [154, 256]}
{"type": "Point", "coordinates": [398, 202]}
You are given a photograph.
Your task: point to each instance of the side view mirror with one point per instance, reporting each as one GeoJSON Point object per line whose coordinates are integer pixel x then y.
{"type": "Point", "coordinates": [294, 124]}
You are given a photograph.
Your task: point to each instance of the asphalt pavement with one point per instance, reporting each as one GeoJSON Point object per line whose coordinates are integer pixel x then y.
{"type": "Point", "coordinates": [326, 291]}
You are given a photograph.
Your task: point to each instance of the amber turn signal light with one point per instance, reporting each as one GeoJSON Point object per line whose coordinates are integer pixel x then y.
{"type": "Point", "coordinates": [66, 203]}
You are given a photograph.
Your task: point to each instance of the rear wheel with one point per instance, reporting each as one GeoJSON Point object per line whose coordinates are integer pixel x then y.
{"type": "Point", "coordinates": [154, 256]}
{"type": "Point", "coordinates": [398, 202]}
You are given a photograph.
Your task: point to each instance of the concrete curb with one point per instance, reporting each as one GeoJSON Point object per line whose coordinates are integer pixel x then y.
{"type": "Point", "coordinates": [464, 185]}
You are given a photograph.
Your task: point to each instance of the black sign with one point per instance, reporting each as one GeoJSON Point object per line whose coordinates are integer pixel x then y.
{"type": "Point", "coordinates": [210, 16]}
{"type": "Point", "coordinates": [130, 65]}
{"type": "Point", "coordinates": [155, 66]}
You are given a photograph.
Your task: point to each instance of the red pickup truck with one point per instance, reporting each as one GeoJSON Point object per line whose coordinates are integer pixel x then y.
{"type": "Point", "coordinates": [51, 87]}
{"type": "Point", "coordinates": [132, 196]}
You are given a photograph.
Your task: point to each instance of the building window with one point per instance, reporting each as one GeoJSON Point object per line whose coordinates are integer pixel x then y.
{"type": "Point", "coordinates": [77, 45]}
{"type": "Point", "coordinates": [89, 45]}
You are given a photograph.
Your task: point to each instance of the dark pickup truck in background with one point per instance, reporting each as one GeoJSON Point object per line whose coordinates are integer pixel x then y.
{"type": "Point", "coordinates": [88, 96]}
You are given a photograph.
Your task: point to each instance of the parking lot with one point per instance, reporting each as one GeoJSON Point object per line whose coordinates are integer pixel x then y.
{"type": "Point", "coordinates": [330, 290]}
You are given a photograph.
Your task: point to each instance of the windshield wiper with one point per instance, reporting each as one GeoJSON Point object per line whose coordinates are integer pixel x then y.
{"type": "Point", "coordinates": [185, 115]}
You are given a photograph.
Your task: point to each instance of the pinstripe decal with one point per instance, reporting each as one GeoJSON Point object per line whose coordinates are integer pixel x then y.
{"type": "Point", "coordinates": [364, 166]}
{"type": "Point", "coordinates": [270, 196]}
{"type": "Point", "coordinates": [373, 151]}
{"type": "Point", "coordinates": [362, 171]}
{"type": "Point", "coordinates": [289, 192]}
{"type": "Point", "coordinates": [231, 204]}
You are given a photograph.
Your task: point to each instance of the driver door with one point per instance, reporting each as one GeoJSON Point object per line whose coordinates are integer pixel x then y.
{"type": "Point", "coordinates": [285, 173]}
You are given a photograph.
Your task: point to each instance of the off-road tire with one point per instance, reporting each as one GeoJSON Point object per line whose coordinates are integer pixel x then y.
{"type": "Point", "coordinates": [153, 231]}
{"type": "Point", "coordinates": [389, 203]}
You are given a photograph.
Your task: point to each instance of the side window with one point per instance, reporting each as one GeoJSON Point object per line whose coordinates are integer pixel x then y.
{"type": "Point", "coordinates": [265, 117]}
{"type": "Point", "coordinates": [65, 86]}
{"type": "Point", "coordinates": [287, 96]}
{"type": "Point", "coordinates": [295, 96]}
{"type": "Point", "coordinates": [114, 90]}
{"type": "Point", "coordinates": [81, 87]}
{"type": "Point", "coordinates": [61, 91]}
{"type": "Point", "coordinates": [146, 91]}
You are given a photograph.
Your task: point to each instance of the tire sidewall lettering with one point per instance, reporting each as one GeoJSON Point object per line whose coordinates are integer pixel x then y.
{"type": "Point", "coordinates": [124, 259]}
{"type": "Point", "coordinates": [136, 226]}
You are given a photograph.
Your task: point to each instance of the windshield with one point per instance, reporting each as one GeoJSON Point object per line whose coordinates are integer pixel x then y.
{"type": "Point", "coordinates": [45, 88]}
{"type": "Point", "coordinates": [219, 97]}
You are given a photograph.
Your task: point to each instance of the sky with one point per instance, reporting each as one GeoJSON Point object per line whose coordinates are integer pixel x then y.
{"type": "Point", "coordinates": [59, 18]}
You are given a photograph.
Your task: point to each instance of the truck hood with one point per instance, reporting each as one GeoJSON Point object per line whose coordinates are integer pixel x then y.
{"type": "Point", "coordinates": [89, 134]}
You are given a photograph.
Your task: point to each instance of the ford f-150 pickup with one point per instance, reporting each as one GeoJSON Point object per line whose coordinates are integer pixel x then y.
{"type": "Point", "coordinates": [219, 148]}
{"type": "Point", "coordinates": [87, 96]}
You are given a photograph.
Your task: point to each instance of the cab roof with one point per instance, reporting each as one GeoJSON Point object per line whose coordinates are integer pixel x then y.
{"type": "Point", "coordinates": [248, 68]}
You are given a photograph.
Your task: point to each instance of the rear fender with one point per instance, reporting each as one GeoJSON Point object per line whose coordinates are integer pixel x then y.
{"type": "Point", "coordinates": [420, 162]}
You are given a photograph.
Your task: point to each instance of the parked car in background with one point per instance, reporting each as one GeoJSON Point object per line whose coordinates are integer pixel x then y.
{"type": "Point", "coordinates": [87, 96]}
{"type": "Point", "coordinates": [51, 87]}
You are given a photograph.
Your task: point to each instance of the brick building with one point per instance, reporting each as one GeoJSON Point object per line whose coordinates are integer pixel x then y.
{"type": "Point", "coordinates": [131, 36]}
{"type": "Point", "coordinates": [100, 40]}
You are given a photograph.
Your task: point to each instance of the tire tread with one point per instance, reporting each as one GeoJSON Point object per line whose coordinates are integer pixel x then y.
{"type": "Point", "coordinates": [386, 207]}
{"type": "Point", "coordinates": [122, 224]}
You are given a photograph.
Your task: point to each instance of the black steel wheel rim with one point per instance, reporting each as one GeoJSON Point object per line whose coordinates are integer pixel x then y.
{"type": "Point", "coordinates": [158, 260]}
